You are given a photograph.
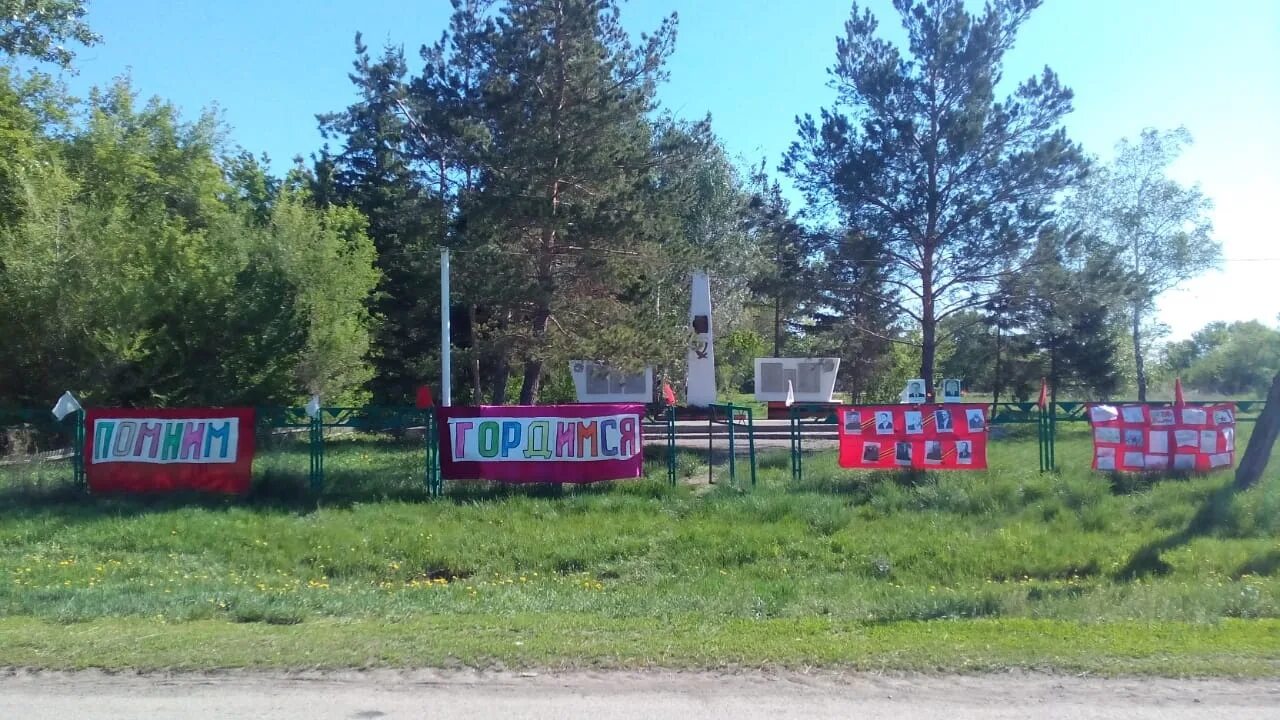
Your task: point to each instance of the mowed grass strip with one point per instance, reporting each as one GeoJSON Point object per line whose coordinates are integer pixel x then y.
{"type": "Point", "coordinates": [560, 641]}
{"type": "Point", "coordinates": [1075, 571]}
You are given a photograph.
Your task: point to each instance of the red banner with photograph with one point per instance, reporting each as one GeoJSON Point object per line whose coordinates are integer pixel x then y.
{"type": "Point", "coordinates": [923, 437]}
{"type": "Point", "coordinates": [157, 450]}
{"type": "Point", "coordinates": [1142, 438]}
{"type": "Point", "coordinates": [581, 443]}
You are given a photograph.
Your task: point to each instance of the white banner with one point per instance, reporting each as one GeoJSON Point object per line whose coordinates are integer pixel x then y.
{"type": "Point", "coordinates": [525, 439]}
{"type": "Point", "coordinates": [164, 441]}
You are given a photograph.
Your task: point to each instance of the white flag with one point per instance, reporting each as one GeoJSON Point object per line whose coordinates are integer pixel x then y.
{"type": "Point", "coordinates": [66, 405]}
{"type": "Point", "coordinates": [791, 394]}
{"type": "Point", "coordinates": [313, 406]}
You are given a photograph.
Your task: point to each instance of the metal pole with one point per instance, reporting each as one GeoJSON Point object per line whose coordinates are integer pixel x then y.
{"type": "Point", "coordinates": [446, 343]}
{"type": "Point", "coordinates": [733, 469]}
{"type": "Point", "coordinates": [671, 445]}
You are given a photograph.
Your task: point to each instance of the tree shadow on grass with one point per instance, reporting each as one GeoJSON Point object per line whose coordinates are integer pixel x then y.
{"type": "Point", "coordinates": [358, 471]}
{"type": "Point", "coordinates": [1266, 564]}
{"type": "Point", "coordinates": [1214, 514]}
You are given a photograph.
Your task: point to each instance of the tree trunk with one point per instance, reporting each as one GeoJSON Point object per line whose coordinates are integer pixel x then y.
{"type": "Point", "coordinates": [477, 392]}
{"type": "Point", "coordinates": [777, 326]}
{"type": "Point", "coordinates": [532, 382]}
{"type": "Point", "coordinates": [928, 334]}
{"type": "Point", "coordinates": [997, 381]}
{"type": "Point", "coordinates": [533, 367]}
{"type": "Point", "coordinates": [1262, 441]}
{"type": "Point", "coordinates": [501, 376]}
{"type": "Point", "coordinates": [1137, 353]}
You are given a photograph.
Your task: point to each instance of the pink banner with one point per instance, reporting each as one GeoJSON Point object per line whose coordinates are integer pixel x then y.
{"type": "Point", "coordinates": [542, 443]}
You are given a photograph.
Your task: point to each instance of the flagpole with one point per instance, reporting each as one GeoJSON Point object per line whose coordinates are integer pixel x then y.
{"type": "Point", "coordinates": [446, 343]}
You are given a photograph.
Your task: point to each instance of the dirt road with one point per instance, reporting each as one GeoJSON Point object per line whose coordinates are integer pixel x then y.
{"type": "Point", "coordinates": [622, 696]}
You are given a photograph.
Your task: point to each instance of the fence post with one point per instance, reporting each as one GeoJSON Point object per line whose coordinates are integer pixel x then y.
{"type": "Point", "coordinates": [751, 444]}
{"type": "Point", "coordinates": [795, 443]}
{"type": "Point", "coordinates": [733, 467]}
{"type": "Point", "coordinates": [77, 453]}
{"type": "Point", "coordinates": [428, 471]}
{"type": "Point", "coordinates": [1042, 439]}
{"type": "Point", "coordinates": [711, 413]}
{"type": "Point", "coordinates": [1053, 438]}
{"type": "Point", "coordinates": [671, 445]}
{"type": "Point", "coordinates": [316, 447]}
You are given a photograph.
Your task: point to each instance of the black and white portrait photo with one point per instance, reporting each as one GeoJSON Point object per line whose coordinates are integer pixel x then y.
{"type": "Point", "coordinates": [902, 453]}
{"type": "Point", "coordinates": [884, 422]}
{"type": "Point", "coordinates": [942, 418]}
{"type": "Point", "coordinates": [871, 452]}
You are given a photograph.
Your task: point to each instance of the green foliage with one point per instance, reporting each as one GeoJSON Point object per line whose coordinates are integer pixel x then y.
{"type": "Point", "coordinates": [1237, 359]}
{"type": "Point", "coordinates": [134, 273]}
{"type": "Point", "coordinates": [376, 172]}
{"type": "Point", "coordinates": [40, 28]}
{"type": "Point", "coordinates": [735, 359]}
{"type": "Point", "coordinates": [1159, 229]}
{"type": "Point", "coordinates": [948, 183]}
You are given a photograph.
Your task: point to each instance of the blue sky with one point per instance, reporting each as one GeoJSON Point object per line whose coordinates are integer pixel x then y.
{"type": "Point", "coordinates": [1213, 66]}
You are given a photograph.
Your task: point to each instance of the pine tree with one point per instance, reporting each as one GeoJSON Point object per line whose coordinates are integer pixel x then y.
{"type": "Point", "coordinates": [377, 172]}
{"type": "Point", "coordinates": [920, 156]}
{"type": "Point", "coordinates": [566, 97]}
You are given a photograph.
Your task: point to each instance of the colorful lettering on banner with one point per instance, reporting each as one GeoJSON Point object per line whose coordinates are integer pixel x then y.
{"type": "Point", "coordinates": [1139, 438]}
{"type": "Point", "coordinates": [156, 450]}
{"type": "Point", "coordinates": [548, 443]}
{"type": "Point", "coordinates": [926, 437]}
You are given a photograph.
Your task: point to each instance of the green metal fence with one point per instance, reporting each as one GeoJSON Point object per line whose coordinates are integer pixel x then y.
{"type": "Point", "coordinates": [736, 418]}
{"type": "Point", "coordinates": [270, 421]}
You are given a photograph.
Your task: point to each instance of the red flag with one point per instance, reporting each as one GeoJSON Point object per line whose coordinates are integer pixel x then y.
{"type": "Point", "coordinates": [668, 395]}
{"type": "Point", "coordinates": [1177, 393]}
{"type": "Point", "coordinates": [424, 397]}
{"type": "Point", "coordinates": [1044, 394]}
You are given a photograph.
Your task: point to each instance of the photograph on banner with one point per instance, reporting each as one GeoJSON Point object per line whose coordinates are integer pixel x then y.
{"type": "Point", "coordinates": [581, 443]}
{"type": "Point", "coordinates": [1133, 414]}
{"type": "Point", "coordinates": [146, 450]}
{"type": "Point", "coordinates": [1103, 413]}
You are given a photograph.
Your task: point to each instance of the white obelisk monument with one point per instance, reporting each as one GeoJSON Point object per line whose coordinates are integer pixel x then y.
{"type": "Point", "coordinates": [700, 387]}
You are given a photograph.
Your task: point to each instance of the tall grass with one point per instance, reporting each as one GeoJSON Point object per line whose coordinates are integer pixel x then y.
{"type": "Point", "coordinates": [876, 547]}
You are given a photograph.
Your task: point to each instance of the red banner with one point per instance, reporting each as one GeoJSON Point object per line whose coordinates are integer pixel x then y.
{"type": "Point", "coordinates": [156, 450]}
{"type": "Point", "coordinates": [923, 437]}
{"type": "Point", "coordinates": [542, 443]}
{"type": "Point", "coordinates": [1139, 438]}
